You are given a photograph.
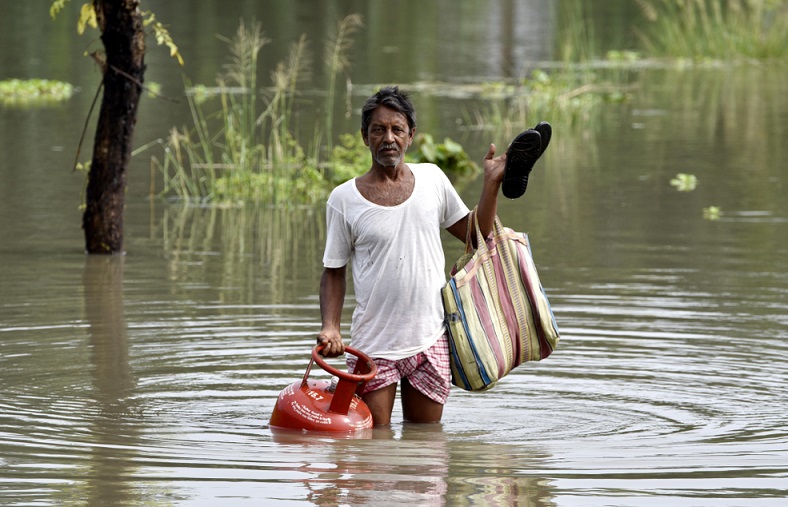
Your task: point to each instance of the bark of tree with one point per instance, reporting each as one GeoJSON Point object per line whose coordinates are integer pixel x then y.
{"type": "Point", "coordinates": [120, 22]}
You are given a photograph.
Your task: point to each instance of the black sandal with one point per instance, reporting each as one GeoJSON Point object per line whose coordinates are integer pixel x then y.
{"type": "Point", "coordinates": [546, 131]}
{"type": "Point", "coordinates": [520, 159]}
{"type": "Point", "coordinates": [523, 153]}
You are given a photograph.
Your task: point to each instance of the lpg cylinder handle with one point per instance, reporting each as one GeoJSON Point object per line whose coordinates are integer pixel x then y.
{"type": "Point", "coordinates": [349, 383]}
{"type": "Point", "coordinates": [344, 375]}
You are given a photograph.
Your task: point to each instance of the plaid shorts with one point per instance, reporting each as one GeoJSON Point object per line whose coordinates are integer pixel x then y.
{"type": "Point", "coordinates": [429, 371]}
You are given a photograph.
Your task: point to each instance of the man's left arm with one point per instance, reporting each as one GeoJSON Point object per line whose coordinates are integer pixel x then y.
{"type": "Point", "coordinates": [488, 200]}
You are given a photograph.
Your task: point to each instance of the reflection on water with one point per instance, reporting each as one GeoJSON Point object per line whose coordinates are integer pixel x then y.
{"type": "Point", "coordinates": [116, 422]}
{"type": "Point", "coordinates": [156, 385]}
{"type": "Point", "coordinates": [149, 379]}
{"type": "Point", "coordinates": [277, 250]}
{"type": "Point", "coordinates": [422, 466]}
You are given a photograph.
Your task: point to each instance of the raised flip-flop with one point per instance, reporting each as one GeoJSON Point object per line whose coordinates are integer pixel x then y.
{"type": "Point", "coordinates": [546, 131]}
{"type": "Point", "coordinates": [521, 156]}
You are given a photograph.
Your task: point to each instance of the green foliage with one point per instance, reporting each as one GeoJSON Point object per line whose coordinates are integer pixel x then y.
{"type": "Point", "coordinates": [719, 29]}
{"type": "Point", "coordinates": [687, 183]}
{"type": "Point", "coordinates": [685, 30]}
{"type": "Point", "coordinates": [712, 213]}
{"type": "Point", "coordinates": [349, 159]}
{"type": "Point", "coordinates": [576, 34]}
{"type": "Point", "coordinates": [569, 97]}
{"type": "Point", "coordinates": [684, 182]}
{"type": "Point", "coordinates": [243, 149]}
{"type": "Point", "coordinates": [449, 156]}
{"type": "Point", "coordinates": [33, 92]}
{"type": "Point", "coordinates": [87, 18]}
{"type": "Point", "coordinates": [337, 61]}
{"type": "Point", "coordinates": [162, 35]}
{"type": "Point", "coordinates": [56, 7]}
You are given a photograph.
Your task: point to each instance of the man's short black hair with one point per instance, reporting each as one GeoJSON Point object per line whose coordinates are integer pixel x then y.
{"type": "Point", "coordinates": [389, 96]}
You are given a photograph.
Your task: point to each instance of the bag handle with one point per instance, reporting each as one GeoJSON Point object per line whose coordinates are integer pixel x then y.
{"type": "Point", "coordinates": [468, 226]}
{"type": "Point", "coordinates": [481, 243]}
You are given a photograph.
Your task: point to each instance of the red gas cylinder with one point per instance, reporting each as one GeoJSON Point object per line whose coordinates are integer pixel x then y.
{"type": "Point", "coordinates": [313, 405]}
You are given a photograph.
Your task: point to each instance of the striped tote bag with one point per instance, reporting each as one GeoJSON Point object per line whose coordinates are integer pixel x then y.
{"type": "Point", "coordinates": [497, 313]}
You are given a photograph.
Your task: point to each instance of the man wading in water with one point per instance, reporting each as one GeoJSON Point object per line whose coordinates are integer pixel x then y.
{"type": "Point", "coordinates": [387, 223]}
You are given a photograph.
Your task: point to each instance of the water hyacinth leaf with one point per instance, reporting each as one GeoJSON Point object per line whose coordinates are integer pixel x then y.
{"type": "Point", "coordinates": [429, 151]}
{"type": "Point", "coordinates": [452, 147]}
{"type": "Point", "coordinates": [712, 213]}
{"type": "Point", "coordinates": [684, 182]}
{"type": "Point", "coordinates": [26, 92]}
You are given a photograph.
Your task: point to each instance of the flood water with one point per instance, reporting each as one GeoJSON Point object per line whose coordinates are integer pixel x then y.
{"type": "Point", "coordinates": [149, 378]}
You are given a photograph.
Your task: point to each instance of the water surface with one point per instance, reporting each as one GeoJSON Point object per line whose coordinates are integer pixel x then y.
{"type": "Point", "coordinates": [149, 378]}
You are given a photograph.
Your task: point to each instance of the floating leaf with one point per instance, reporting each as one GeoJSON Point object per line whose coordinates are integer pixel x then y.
{"type": "Point", "coordinates": [684, 182]}
{"type": "Point", "coordinates": [712, 213]}
{"type": "Point", "coordinates": [23, 92]}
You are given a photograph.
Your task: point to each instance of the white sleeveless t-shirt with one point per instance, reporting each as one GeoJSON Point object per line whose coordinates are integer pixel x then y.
{"type": "Point", "coordinates": [397, 262]}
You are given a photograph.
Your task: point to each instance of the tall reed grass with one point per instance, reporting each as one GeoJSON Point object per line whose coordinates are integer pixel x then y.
{"type": "Point", "coordinates": [576, 40]}
{"type": "Point", "coordinates": [716, 29]}
{"type": "Point", "coordinates": [246, 150]}
{"type": "Point", "coordinates": [337, 61]}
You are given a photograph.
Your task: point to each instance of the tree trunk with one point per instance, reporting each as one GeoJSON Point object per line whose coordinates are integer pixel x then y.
{"type": "Point", "coordinates": [120, 22]}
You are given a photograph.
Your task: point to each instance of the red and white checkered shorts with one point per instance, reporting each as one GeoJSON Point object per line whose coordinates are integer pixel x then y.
{"type": "Point", "coordinates": [429, 371]}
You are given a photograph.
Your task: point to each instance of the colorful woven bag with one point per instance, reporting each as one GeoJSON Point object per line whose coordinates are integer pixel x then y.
{"type": "Point", "coordinates": [497, 313]}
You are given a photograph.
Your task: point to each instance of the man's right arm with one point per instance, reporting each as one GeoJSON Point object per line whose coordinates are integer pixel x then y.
{"type": "Point", "coordinates": [333, 285]}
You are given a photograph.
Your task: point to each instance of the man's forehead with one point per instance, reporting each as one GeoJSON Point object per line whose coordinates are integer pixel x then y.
{"type": "Point", "coordinates": [385, 113]}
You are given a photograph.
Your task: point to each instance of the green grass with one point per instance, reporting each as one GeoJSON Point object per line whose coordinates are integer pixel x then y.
{"type": "Point", "coordinates": [677, 34]}
{"type": "Point", "coordinates": [244, 149]}
{"type": "Point", "coordinates": [243, 145]}
{"type": "Point", "coordinates": [716, 29]}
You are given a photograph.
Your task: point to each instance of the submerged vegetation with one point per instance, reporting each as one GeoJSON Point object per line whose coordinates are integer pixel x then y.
{"type": "Point", "coordinates": [33, 92]}
{"type": "Point", "coordinates": [249, 146]}
{"type": "Point", "coordinates": [572, 96]}
{"type": "Point", "coordinates": [244, 149]}
{"type": "Point", "coordinates": [679, 33]}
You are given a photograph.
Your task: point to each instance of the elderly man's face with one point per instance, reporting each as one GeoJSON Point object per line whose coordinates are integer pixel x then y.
{"type": "Point", "coordinates": [388, 136]}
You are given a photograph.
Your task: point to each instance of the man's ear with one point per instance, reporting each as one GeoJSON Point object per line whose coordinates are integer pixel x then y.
{"type": "Point", "coordinates": [411, 135]}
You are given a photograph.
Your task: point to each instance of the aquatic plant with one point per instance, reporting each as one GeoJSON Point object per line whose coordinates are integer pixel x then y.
{"type": "Point", "coordinates": [712, 213]}
{"type": "Point", "coordinates": [717, 29]}
{"type": "Point", "coordinates": [348, 159]}
{"type": "Point", "coordinates": [684, 182]}
{"type": "Point", "coordinates": [576, 38]}
{"type": "Point", "coordinates": [244, 152]}
{"type": "Point", "coordinates": [569, 97]}
{"type": "Point", "coordinates": [33, 92]}
{"type": "Point", "coordinates": [449, 155]}
{"type": "Point", "coordinates": [241, 153]}
{"type": "Point", "coordinates": [337, 61]}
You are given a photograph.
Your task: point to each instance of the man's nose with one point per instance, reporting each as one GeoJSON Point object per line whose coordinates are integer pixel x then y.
{"type": "Point", "coordinates": [388, 136]}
